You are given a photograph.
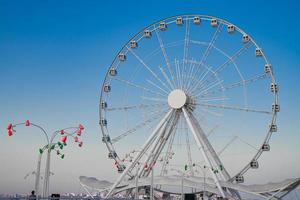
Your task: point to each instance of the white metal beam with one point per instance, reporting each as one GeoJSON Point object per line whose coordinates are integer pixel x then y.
{"type": "Point", "coordinates": [140, 154]}
{"type": "Point", "coordinates": [160, 146]}
{"type": "Point", "coordinates": [199, 139]}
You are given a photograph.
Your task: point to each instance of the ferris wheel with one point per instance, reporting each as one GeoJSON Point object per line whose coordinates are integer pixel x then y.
{"type": "Point", "coordinates": [189, 91]}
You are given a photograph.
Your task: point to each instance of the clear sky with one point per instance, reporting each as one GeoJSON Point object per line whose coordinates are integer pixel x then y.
{"type": "Point", "coordinates": [53, 56]}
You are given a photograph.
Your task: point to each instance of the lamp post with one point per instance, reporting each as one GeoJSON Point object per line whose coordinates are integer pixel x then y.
{"type": "Point", "coordinates": [204, 171]}
{"type": "Point", "coordinates": [49, 147]}
{"type": "Point", "coordinates": [152, 182]}
{"type": "Point", "coordinates": [182, 179]}
{"type": "Point", "coordinates": [136, 196]}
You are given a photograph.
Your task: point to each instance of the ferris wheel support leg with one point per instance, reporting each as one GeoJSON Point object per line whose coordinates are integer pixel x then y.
{"type": "Point", "coordinates": [161, 143]}
{"type": "Point", "coordinates": [140, 154]}
{"type": "Point", "coordinates": [213, 155]}
{"type": "Point", "coordinates": [154, 146]}
{"type": "Point", "coordinates": [200, 144]}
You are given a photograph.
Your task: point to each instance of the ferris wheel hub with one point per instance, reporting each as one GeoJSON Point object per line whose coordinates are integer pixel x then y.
{"type": "Point", "coordinates": [177, 99]}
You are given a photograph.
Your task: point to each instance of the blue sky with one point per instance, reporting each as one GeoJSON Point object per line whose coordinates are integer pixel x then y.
{"type": "Point", "coordinates": [53, 56]}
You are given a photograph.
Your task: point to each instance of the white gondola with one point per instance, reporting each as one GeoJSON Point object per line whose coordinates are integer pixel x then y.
{"type": "Point", "coordinates": [268, 68]}
{"type": "Point", "coordinates": [230, 28]}
{"type": "Point", "coordinates": [133, 44]}
{"type": "Point", "coordinates": [103, 104]}
{"type": "Point", "coordinates": [106, 138]}
{"type": "Point", "coordinates": [103, 122]}
{"type": "Point", "coordinates": [274, 87]}
{"type": "Point", "coordinates": [254, 164]}
{"type": "Point", "coordinates": [275, 108]}
{"type": "Point", "coordinates": [122, 57]}
{"type": "Point", "coordinates": [258, 52]}
{"type": "Point", "coordinates": [265, 147]}
{"type": "Point", "coordinates": [112, 155]}
{"type": "Point", "coordinates": [273, 128]}
{"type": "Point", "coordinates": [214, 22]}
{"type": "Point", "coordinates": [246, 38]}
{"type": "Point", "coordinates": [147, 33]}
{"type": "Point", "coordinates": [106, 88]}
{"type": "Point", "coordinates": [197, 20]}
{"type": "Point", "coordinates": [112, 71]}
{"type": "Point", "coordinates": [179, 21]}
{"type": "Point", "coordinates": [162, 25]}
{"type": "Point", "coordinates": [239, 179]}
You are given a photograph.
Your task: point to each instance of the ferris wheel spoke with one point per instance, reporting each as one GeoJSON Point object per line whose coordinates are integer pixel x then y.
{"type": "Point", "coordinates": [190, 74]}
{"type": "Point", "coordinates": [212, 99]}
{"type": "Point", "coordinates": [186, 76]}
{"type": "Point", "coordinates": [232, 58]}
{"type": "Point", "coordinates": [216, 83]}
{"type": "Point", "coordinates": [179, 73]}
{"type": "Point", "coordinates": [234, 108]}
{"type": "Point", "coordinates": [216, 114]}
{"type": "Point", "coordinates": [154, 99]}
{"type": "Point", "coordinates": [149, 69]}
{"type": "Point", "coordinates": [200, 81]}
{"type": "Point", "coordinates": [236, 85]}
{"type": "Point", "coordinates": [155, 85]}
{"type": "Point", "coordinates": [186, 41]}
{"type": "Point", "coordinates": [140, 106]}
{"type": "Point", "coordinates": [166, 76]}
{"type": "Point", "coordinates": [186, 47]}
{"type": "Point", "coordinates": [209, 133]}
{"type": "Point", "coordinates": [138, 86]}
{"type": "Point", "coordinates": [227, 145]}
{"type": "Point", "coordinates": [229, 61]}
{"type": "Point", "coordinates": [211, 43]}
{"type": "Point", "coordinates": [138, 126]}
{"type": "Point", "coordinates": [210, 46]}
{"type": "Point", "coordinates": [212, 130]}
{"type": "Point", "coordinates": [247, 143]}
{"type": "Point", "coordinates": [195, 63]}
{"type": "Point", "coordinates": [163, 49]}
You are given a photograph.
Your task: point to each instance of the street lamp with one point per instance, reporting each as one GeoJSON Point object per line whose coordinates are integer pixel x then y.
{"type": "Point", "coordinates": [74, 132]}
{"type": "Point", "coordinates": [204, 171]}
{"type": "Point", "coordinates": [182, 177]}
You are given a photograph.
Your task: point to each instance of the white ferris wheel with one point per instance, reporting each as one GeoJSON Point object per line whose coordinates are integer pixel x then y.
{"type": "Point", "coordinates": [193, 94]}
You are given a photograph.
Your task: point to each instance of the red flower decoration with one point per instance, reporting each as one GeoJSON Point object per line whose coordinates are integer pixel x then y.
{"type": "Point", "coordinates": [9, 126]}
{"type": "Point", "coordinates": [27, 123]}
{"type": "Point", "coordinates": [80, 144]}
{"type": "Point", "coordinates": [79, 132]}
{"type": "Point", "coordinates": [64, 139]}
{"type": "Point", "coordinates": [62, 132]}
{"type": "Point", "coordinates": [10, 133]}
{"type": "Point", "coordinates": [76, 139]}
{"type": "Point", "coordinates": [81, 127]}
